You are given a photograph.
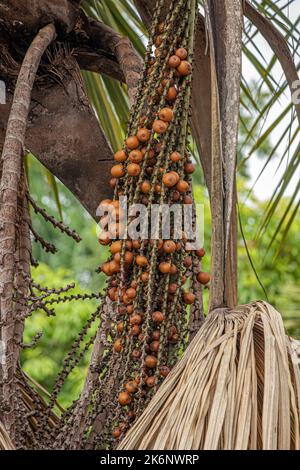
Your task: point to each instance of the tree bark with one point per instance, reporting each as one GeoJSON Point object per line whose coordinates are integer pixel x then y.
{"type": "Point", "coordinates": [226, 19]}
{"type": "Point", "coordinates": [61, 123]}
{"type": "Point", "coordinates": [31, 15]}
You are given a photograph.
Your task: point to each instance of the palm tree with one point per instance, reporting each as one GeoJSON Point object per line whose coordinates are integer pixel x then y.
{"type": "Point", "coordinates": [106, 42]}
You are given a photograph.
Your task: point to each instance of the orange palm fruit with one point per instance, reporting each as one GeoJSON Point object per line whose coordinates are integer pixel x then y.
{"type": "Point", "coordinates": [136, 156]}
{"type": "Point", "coordinates": [120, 156]}
{"type": "Point", "coordinates": [174, 61]}
{"type": "Point", "coordinates": [166, 114]}
{"type": "Point", "coordinates": [117, 171]}
{"type": "Point", "coordinates": [159, 126]}
{"type": "Point", "coordinates": [150, 362]}
{"type": "Point", "coordinates": [181, 53]}
{"type": "Point", "coordinates": [184, 68]}
{"type": "Point", "coordinates": [143, 134]}
{"type": "Point", "coordinates": [124, 398]}
{"type": "Point", "coordinates": [133, 169]}
{"type": "Point", "coordinates": [132, 142]}
{"type": "Point", "coordinates": [203, 278]}
{"type": "Point", "coordinates": [172, 94]}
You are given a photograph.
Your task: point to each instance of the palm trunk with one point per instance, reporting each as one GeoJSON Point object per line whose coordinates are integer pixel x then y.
{"type": "Point", "coordinates": [10, 180]}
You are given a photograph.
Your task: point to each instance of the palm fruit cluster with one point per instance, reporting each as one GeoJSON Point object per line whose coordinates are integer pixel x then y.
{"type": "Point", "coordinates": [149, 286]}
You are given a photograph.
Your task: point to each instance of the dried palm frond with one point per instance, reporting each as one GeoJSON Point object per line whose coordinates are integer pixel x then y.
{"type": "Point", "coordinates": [236, 387]}
{"type": "Point", "coordinates": [5, 442]}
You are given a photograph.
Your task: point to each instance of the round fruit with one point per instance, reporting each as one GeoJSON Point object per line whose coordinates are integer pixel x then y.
{"type": "Point", "coordinates": [113, 293]}
{"type": "Point", "coordinates": [169, 246]}
{"type": "Point", "coordinates": [203, 278]}
{"type": "Point", "coordinates": [166, 114]}
{"type": "Point", "coordinates": [145, 187]}
{"type": "Point", "coordinates": [164, 371]}
{"type": "Point", "coordinates": [184, 68]}
{"type": "Point", "coordinates": [143, 134]}
{"type": "Point", "coordinates": [175, 196]}
{"type": "Point", "coordinates": [172, 288]}
{"type": "Point", "coordinates": [114, 266]}
{"type": "Point", "coordinates": [145, 277]}
{"type": "Point", "coordinates": [120, 156]}
{"type": "Point", "coordinates": [169, 179]}
{"type": "Point", "coordinates": [187, 200]}
{"type": "Point", "coordinates": [164, 267]}
{"type": "Point", "coordinates": [150, 381]}
{"type": "Point", "coordinates": [120, 327]}
{"type": "Point", "coordinates": [200, 252]}
{"type": "Point", "coordinates": [175, 157]}
{"type": "Point", "coordinates": [160, 127]}
{"type": "Point", "coordinates": [181, 53]}
{"type": "Point", "coordinates": [116, 247]}
{"type": "Point", "coordinates": [105, 268]}
{"type": "Point", "coordinates": [130, 309]}
{"type": "Point", "coordinates": [182, 186]}
{"type": "Point", "coordinates": [118, 345]}
{"type": "Point", "coordinates": [189, 168]}
{"type": "Point", "coordinates": [150, 362]}
{"type": "Point", "coordinates": [131, 293]}
{"type": "Point", "coordinates": [135, 156]}
{"type": "Point", "coordinates": [135, 330]}
{"type": "Point", "coordinates": [133, 169]}
{"type": "Point", "coordinates": [131, 387]}
{"type": "Point", "coordinates": [132, 142]}
{"type": "Point", "coordinates": [104, 238]}
{"type": "Point", "coordinates": [172, 94]}
{"type": "Point", "coordinates": [128, 257]}
{"type": "Point", "coordinates": [116, 433]}
{"type": "Point", "coordinates": [141, 260]}
{"type": "Point", "coordinates": [124, 398]}
{"type": "Point", "coordinates": [187, 262]}
{"type": "Point", "coordinates": [158, 317]}
{"type": "Point", "coordinates": [154, 346]}
{"type": "Point", "coordinates": [189, 298]}
{"type": "Point", "coordinates": [136, 354]}
{"type": "Point", "coordinates": [117, 171]}
{"type": "Point", "coordinates": [136, 244]}
{"type": "Point", "coordinates": [174, 61]}
{"type": "Point", "coordinates": [135, 319]}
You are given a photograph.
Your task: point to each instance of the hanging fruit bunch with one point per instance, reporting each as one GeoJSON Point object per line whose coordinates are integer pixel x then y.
{"type": "Point", "coordinates": [148, 278]}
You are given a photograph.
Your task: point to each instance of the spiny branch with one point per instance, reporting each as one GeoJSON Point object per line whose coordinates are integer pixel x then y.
{"type": "Point", "coordinates": [57, 224]}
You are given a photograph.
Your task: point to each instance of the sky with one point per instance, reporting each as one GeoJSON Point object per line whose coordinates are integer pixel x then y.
{"type": "Point", "coordinates": [264, 187]}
